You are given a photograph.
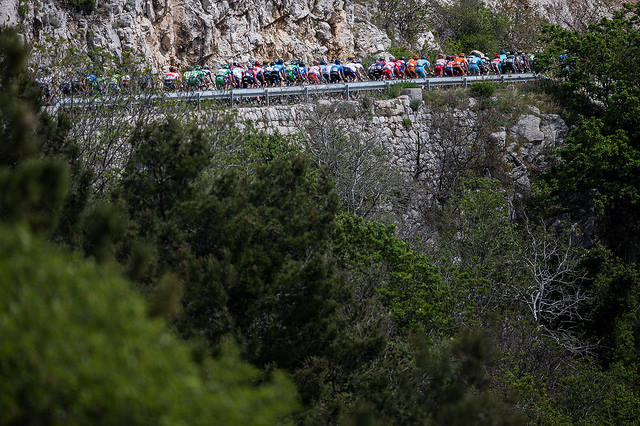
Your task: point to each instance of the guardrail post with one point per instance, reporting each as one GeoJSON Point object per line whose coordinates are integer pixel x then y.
{"type": "Point", "coordinates": [266, 96]}
{"type": "Point", "coordinates": [306, 94]}
{"type": "Point", "coordinates": [428, 84]}
{"type": "Point", "coordinates": [388, 86]}
{"type": "Point", "coordinates": [231, 98]}
{"type": "Point", "coordinates": [465, 83]}
{"type": "Point", "coordinates": [346, 90]}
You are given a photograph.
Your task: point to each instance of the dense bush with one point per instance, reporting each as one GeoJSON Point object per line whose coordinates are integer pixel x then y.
{"type": "Point", "coordinates": [483, 89]}
{"type": "Point", "coordinates": [84, 5]}
{"type": "Point", "coordinates": [78, 348]}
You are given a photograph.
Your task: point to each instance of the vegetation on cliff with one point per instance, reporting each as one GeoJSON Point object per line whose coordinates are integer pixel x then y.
{"type": "Point", "coordinates": [227, 275]}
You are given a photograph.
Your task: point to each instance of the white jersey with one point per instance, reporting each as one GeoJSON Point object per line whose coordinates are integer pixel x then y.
{"type": "Point", "coordinates": [315, 69]}
{"type": "Point", "coordinates": [353, 67]}
{"type": "Point", "coordinates": [237, 72]}
{"type": "Point", "coordinates": [389, 65]}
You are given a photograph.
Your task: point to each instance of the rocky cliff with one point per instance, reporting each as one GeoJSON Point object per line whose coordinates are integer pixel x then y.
{"type": "Point", "coordinates": [179, 32]}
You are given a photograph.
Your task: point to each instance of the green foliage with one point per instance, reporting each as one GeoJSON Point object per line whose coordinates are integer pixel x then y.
{"type": "Point", "coordinates": [166, 160]}
{"type": "Point", "coordinates": [465, 25]}
{"type": "Point", "coordinates": [410, 288]}
{"type": "Point", "coordinates": [403, 21]}
{"type": "Point", "coordinates": [602, 161]}
{"type": "Point", "coordinates": [602, 168]}
{"type": "Point", "coordinates": [264, 242]}
{"type": "Point", "coordinates": [401, 51]}
{"type": "Point", "coordinates": [78, 348]}
{"type": "Point", "coordinates": [84, 5]}
{"type": "Point", "coordinates": [483, 89]}
{"type": "Point", "coordinates": [597, 73]}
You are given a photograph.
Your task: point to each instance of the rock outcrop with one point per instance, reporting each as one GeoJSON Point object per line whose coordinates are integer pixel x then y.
{"type": "Point", "coordinates": [425, 135]}
{"type": "Point", "coordinates": [181, 32]}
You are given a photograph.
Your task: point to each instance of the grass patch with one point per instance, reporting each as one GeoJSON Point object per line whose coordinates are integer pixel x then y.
{"type": "Point", "coordinates": [449, 97]}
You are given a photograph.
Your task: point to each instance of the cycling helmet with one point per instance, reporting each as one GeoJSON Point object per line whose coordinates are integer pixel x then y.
{"type": "Point", "coordinates": [461, 55]}
{"type": "Point", "coordinates": [440, 56]}
{"type": "Point", "coordinates": [424, 56]}
{"type": "Point", "coordinates": [189, 68]}
{"type": "Point", "coordinates": [392, 59]}
{"type": "Point", "coordinates": [198, 68]}
{"type": "Point", "coordinates": [235, 64]}
{"type": "Point", "coordinates": [337, 62]}
{"type": "Point", "coordinates": [323, 62]}
{"type": "Point", "coordinates": [301, 64]}
{"type": "Point", "coordinates": [415, 57]}
{"type": "Point", "coordinates": [315, 63]}
{"type": "Point", "coordinates": [173, 69]}
{"type": "Point", "coordinates": [497, 56]}
{"type": "Point", "coordinates": [280, 61]}
{"type": "Point", "coordinates": [381, 59]}
{"type": "Point", "coordinates": [206, 67]}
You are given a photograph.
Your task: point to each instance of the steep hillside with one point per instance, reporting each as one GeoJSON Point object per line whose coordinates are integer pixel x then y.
{"type": "Point", "coordinates": [173, 31]}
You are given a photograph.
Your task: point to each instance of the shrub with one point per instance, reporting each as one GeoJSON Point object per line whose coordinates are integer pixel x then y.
{"type": "Point", "coordinates": [78, 347]}
{"type": "Point", "coordinates": [400, 51]}
{"type": "Point", "coordinates": [483, 89]}
{"type": "Point", "coordinates": [84, 5]}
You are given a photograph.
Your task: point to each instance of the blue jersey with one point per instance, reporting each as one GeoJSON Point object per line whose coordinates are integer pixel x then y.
{"type": "Point", "coordinates": [422, 63]}
{"type": "Point", "coordinates": [278, 67]}
{"type": "Point", "coordinates": [474, 62]}
{"type": "Point", "coordinates": [337, 68]}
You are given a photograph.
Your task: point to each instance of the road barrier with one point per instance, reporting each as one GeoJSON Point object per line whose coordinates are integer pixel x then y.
{"type": "Point", "coordinates": [303, 92]}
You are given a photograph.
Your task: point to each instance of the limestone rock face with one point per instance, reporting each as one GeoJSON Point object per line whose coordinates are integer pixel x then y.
{"type": "Point", "coordinates": [213, 31]}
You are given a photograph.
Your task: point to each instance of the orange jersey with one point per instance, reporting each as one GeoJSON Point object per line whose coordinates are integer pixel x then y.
{"type": "Point", "coordinates": [411, 65]}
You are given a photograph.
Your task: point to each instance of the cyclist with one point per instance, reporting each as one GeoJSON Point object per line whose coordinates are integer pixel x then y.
{"type": "Point", "coordinates": [337, 72]}
{"type": "Point", "coordinates": [496, 64]}
{"type": "Point", "coordinates": [224, 77]}
{"type": "Point", "coordinates": [351, 70]}
{"type": "Point", "coordinates": [172, 80]}
{"type": "Point", "coordinates": [387, 69]}
{"type": "Point", "coordinates": [249, 77]}
{"type": "Point", "coordinates": [400, 68]}
{"type": "Point", "coordinates": [325, 70]}
{"type": "Point", "coordinates": [360, 69]}
{"type": "Point", "coordinates": [510, 65]}
{"type": "Point", "coordinates": [114, 83]}
{"type": "Point", "coordinates": [292, 73]}
{"type": "Point", "coordinates": [207, 78]}
{"type": "Point", "coordinates": [475, 62]}
{"type": "Point", "coordinates": [423, 67]}
{"type": "Point", "coordinates": [449, 68]}
{"type": "Point", "coordinates": [375, 69]}
{"type": "Point", "coordinates": [302, 72]}
{"type": "Point", "coordinates": [193, 77]}
{"type": "Point", "coordinates": [237, 71]}
{"type": "Point", "coordinates": [277, 73]}
{"type": "Point", "coordinates": [440, 65]}
{"type": "Point", "coordinates": [461, 66]}
{"type": "Point", "coordinates": [315, 73]}
{"type": "Point", "coordinates": [411, 67]}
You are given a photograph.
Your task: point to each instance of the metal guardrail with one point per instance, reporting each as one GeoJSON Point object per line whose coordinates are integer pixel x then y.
{"type": "Point", "coordinates": [305, 91]}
